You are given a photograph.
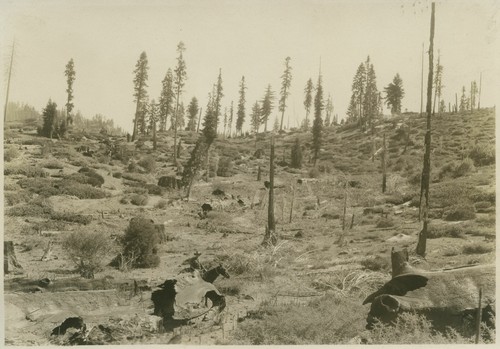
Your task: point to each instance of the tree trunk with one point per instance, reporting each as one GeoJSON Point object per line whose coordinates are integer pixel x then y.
{"type": "Point", "coordinates": [9, 257]}
{"type": "Point", "coordinates": [384, 174]}
{"type": "Point", "coordinates": [47, 252]}
{"type": "Point", "coordinates": [8, 86]}
{"type": "Point", "coordinates": [352, 222]}
{"type": "Point", "coordinates": [291, 204]}
{"type": "Point", "coordinates": [471, 98]}
{"type": "Point", "coordinates": [345, 207]}
{"type": "Point", "coordinates": [270, 235]}
{"type": "Point", "coordinates": [399, 261]}
{"type": "Point", "coordinates": [175, 124]}
{"type": "Point", "coordinates": [422, 83]}
{"type": "Point", "coordinates": [154, 135]}
{"type": "Point", "coordinates": [479, 95]}
{"type": "Point", "coordinates": [426, 171]}
{"type": "Point", "coordinates": [199, 118]}
{"type": "Point", "coordinates": [259, 173]}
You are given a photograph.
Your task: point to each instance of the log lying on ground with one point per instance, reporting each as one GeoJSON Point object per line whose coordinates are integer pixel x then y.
{"type": "Point", "coordinates": [443, 296]}
{"type": "Point", "coordinates": [185, 298]}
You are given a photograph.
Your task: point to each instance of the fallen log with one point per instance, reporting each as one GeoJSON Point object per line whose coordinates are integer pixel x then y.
{"type": "Point", "coordinates": [444, 296]}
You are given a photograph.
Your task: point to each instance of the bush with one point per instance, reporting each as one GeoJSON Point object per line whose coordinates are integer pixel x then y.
{"type": "Point", "coordinates": [314, 173]}
{"type": "Point", "coordinates": [140, 244]}
{"type": "Point", "coordinates": [71, 217]}
{"type": "Point", "coordinates": [26, 170]}
{"type": "Point", "coordinates": [449, 230]}
{"type": "Point", "coordinates": [225, 167]}
{"type": "Point", "coordinates": [14, 198]}
{"type": "Point", "coordinates": [139, 200]}
{"type": "Point", "coordinates": [477, 248]}
{"type": "Point", "coordinates": [117, 175]}
{"type": "Point", "coordinates": [52, 164]}
{"type": "Point", "coordinates": [87, 251]}
{"type": "Point", "coordinates": [148, 163]}
{"type": "Point", "coordinates": [482, 154]}
{"type": "Point", "coordinates": [385, 223]}
{"type": "Point", "coordinates": [466, 166]}
{"type": "Point", "coordinates": [35, 208]}
{"type": "Point", "coordinates": [94, 178]}
{"type": "Point", "coordinates": [136, 177]}
{"type": "Point", "coordinates": [299, 325]}
{"type": "Point", "coordinates": [153, 189]}
{"type": "Point", "coordinates": [483, 207]}
{"type": "Point", "coordinates": [46, 187]}
{"type": "Point", "coordinates": [460, 213]}
{"type": "Point", "coordinates": [10, 154]}
{"type": "Point", "coordinates": [161, 204]}
{"type": "Point", "coordinates": [376, 263]}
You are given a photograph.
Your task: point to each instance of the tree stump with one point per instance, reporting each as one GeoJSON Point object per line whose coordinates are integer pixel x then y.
{"type": "Point", "coordinates": [399, 261]}
{"type": "Point", "coordinates": [9, 257]}
{"type": "Point", "coordinates": [47, 253]}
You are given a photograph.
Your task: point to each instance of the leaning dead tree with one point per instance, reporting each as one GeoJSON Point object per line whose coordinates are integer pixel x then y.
{"type": "Point", "coordinates": [270, 235]}
{"type": "Point", "coordinates": [426, 171]}
{"type": "Point", "coordinates": [8, 85]}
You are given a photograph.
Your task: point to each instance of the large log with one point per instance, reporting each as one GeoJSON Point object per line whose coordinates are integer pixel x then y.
{"type": "Point", "coordinates": [443, 295]}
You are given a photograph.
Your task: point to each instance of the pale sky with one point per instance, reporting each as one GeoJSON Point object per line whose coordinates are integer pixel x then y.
{"type": "Point", "coordinates": [250, 38]}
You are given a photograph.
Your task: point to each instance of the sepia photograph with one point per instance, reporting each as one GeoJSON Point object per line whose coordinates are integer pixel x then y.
{"type": "Point", "coordinates": [259, 172]}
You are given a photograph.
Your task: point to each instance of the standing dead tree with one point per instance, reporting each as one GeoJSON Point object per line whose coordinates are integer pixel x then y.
{"type": "Point", "coordinates": [426, 171]}
{"type": "Point", "coordinates": [9, 257]}
{"type": "Point", "coordinates": [270, 235]}
{"type": "Point", "coordinates": [384, 174]}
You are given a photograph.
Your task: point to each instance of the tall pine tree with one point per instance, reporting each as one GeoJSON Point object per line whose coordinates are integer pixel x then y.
{"type": "Point", "coordinates": [267, 106]}
{"type": "Point", "coordinates": [166, 99]}
{"type": "Point", "coordinates": [140, 85]}
{"type": "Point", "coordinates": [192, 114]}
{"type": "Point", "coordinates": [318, 121]}
{"type": "Point", "coordinates": [308, 92]}
{"type": "Point", "coordinates": [394, 93]}
{"type": "Point", "coordinates": [70, 78]}
{"type": "Point", "coordinates": [286, 81]}
{"type": "Point", "coordinates": [179, 82]}
{"type": "Point", "coordinates": [240, 119]}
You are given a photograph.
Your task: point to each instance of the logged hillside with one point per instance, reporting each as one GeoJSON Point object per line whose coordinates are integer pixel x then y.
{"type": "Point", "coordinates": [335, 227]}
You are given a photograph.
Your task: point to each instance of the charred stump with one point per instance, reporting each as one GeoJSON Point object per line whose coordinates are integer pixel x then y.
{"type": "Point", "coordinates": [9, 257]}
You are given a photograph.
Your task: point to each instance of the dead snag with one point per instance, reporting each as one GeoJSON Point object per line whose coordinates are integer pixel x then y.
{"type": "Point", "coordinates": [270, 235]}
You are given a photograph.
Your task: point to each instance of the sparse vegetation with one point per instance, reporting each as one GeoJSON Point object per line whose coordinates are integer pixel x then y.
{"type": "Point", "coordinates": [10, 154]}
{"type": "Point", "coordinates": [87, 251]}
{"type": "Point", "coordinates": [477, 248]}
{"type": "Point", "coordinates": [460, 213]}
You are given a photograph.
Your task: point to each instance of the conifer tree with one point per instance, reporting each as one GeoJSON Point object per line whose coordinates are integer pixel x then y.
{"type": "Point", "coordinates": [438, 83]}
{"type": "Point", "coordinates": [296, 155]}
{"type": "Point", "coordinates": [241, 106]}
{"type": "Point", "coordinates": [355, 111]}
{"type": "Point", "coordinates": [49, 115]}
{"type": "Point", "coordinates": [70, 78]}
{"type": "Point", "coordinates": [286, 80]}
{"type": "Point", "coordinates": [267, 106]}
{"type": "Point", "coordinates": [371, 96]}
{"type": "Point", "coordinates": [394, 94]}
{"type": "Point", "coordinates": [166, 99]}
{"type": "Point", "coordinates": [179, 82]}
{"type": "Point", "coordinates": [308, 91]}
{"type": "Point", "coordinates": [153, 119]}
{"type": "Point", "coordinates": [255, 117]}
{"type": "Point", "coordinates": [140, 85]}
{"type": "Point", "coordinates": [318, 121]}
{"type": "Point", "coordinates": [192, 114]}
{"type": "Point", "coordinates": [464, 103]}
{"type": "Point", "coordinates": [328, 111]}
{"type": "Point", "coordinates": [231, 114]}
{"type": "Point", "coordinates": [217, 99]}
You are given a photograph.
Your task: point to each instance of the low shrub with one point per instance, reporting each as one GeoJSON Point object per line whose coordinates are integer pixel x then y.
{"type": "Point", "coordinates": [139, 200]}
{"type": "Point", "coordinates": [376, 263]}
{"type": "Point", "coordinates": [385, 223]}
{"type": "Point", "coordinates": [449, 230]}
{"type": "Point", "coordinates": [36, 208]}
{"type": "Point", "coordinates": [14, 198]}
{"type": "Point", "coordinates": [477, 248]}
{"type": "Point", "coordinates": [71, 217]}
{"type": "Point", "coordinates": [483, 206]}
{"type": "Point", "coordinates": [117, 175]}
{"type": "Point", "coordinates": [148, 163]}
{"type": "Point", "coordinates": [225, 167]}
{"type": "Point", "coordinates": [46, 188]}
{"type": "Point", "coordinates": [289, 324]}
{"type": "Point", "coordinates": [482, 154]}
{"type": "Point", "coordinates": [161, 204]}
{"type": "Point", "coordinates": [52, 164]}
{"type": "Point", "coordinates": [87, 250]}
{"type": "Point", "coordinates": [153, 189]}
{"type": "Point", "coordinates": [463, 168]}
{"type": "Point", "coordinates": [25, 170]}
{"type": "Point", "coordinates": [460, 213]}
{"type": "Point", "coordinates": [314, 173]}
{"type": "Point", "coordinates": [140, 244]}
{"type": "Point", "coordinates": [10, 154]}
{"type": "Point", "coordinates": [136, 177]}
{"type": "Point", "coordinates": [94, 178]}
